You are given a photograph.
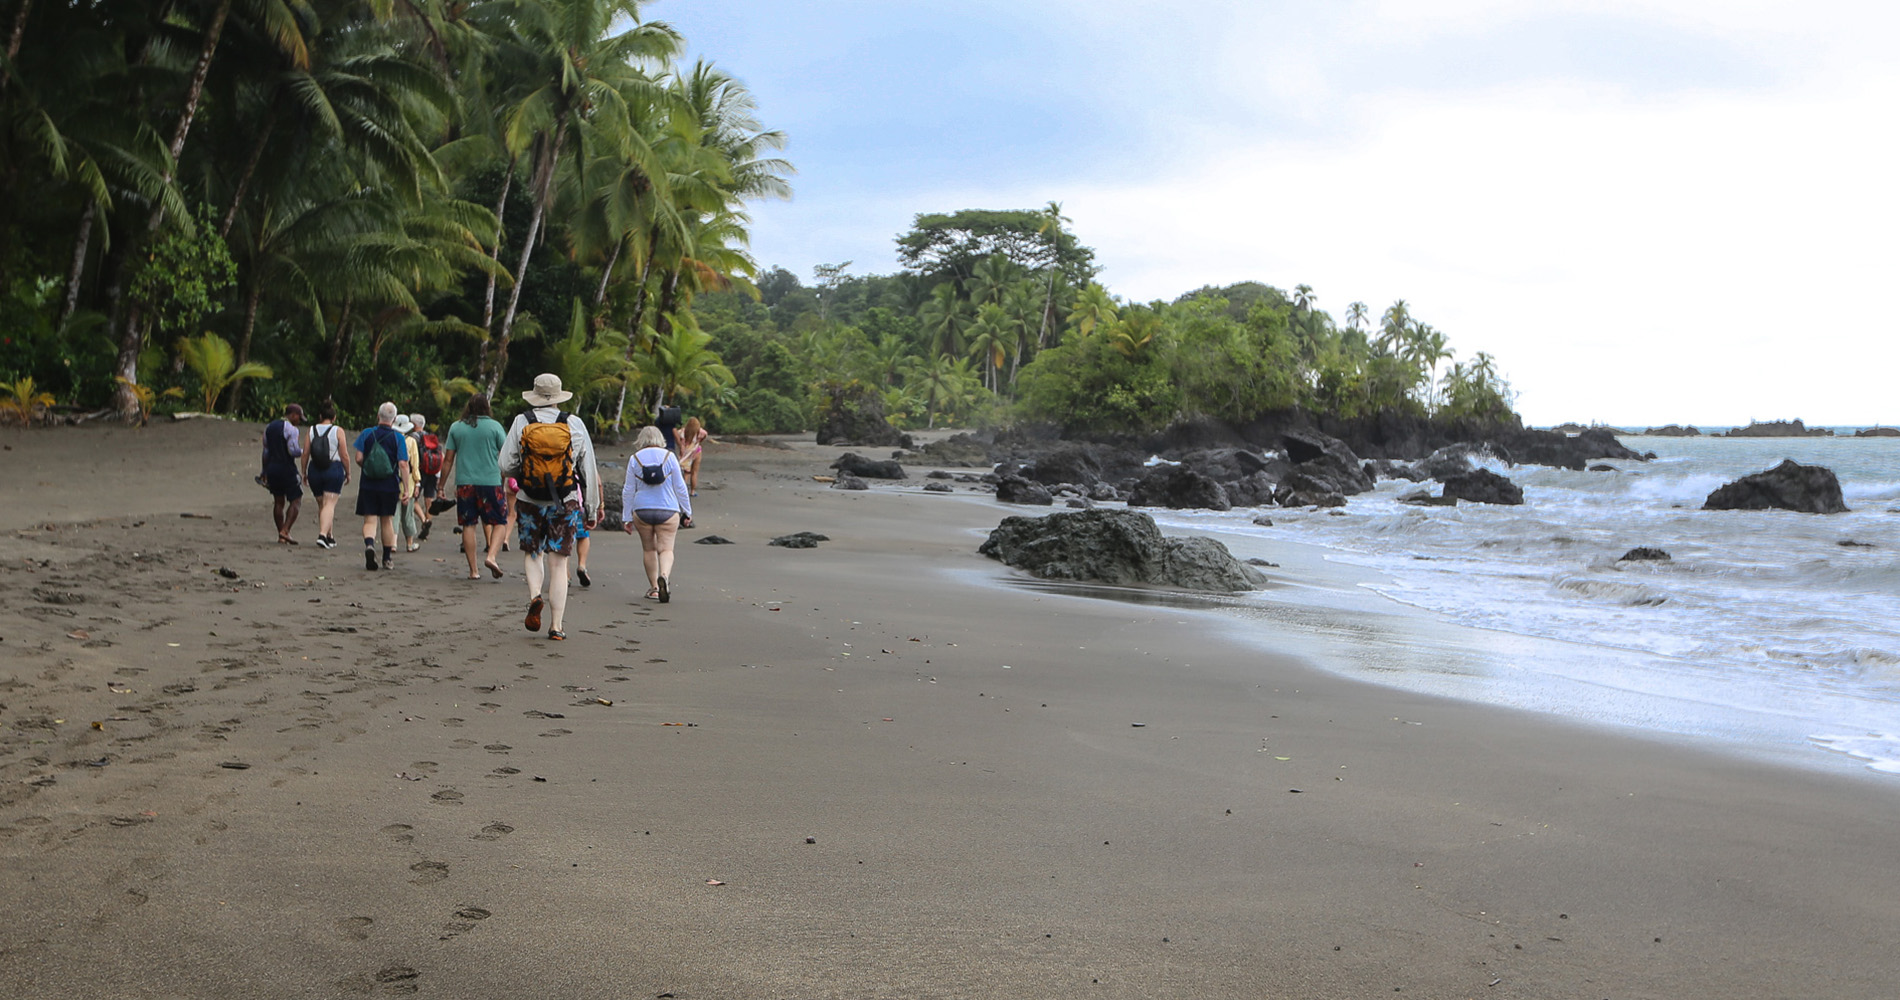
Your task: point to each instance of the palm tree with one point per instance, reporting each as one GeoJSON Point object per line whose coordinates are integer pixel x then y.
{"type": "Point", "coordinates": [1051, 225]}
{"type": "Point", "coordinates": [1093, 308]}
{"type": "Point", "coordinates": [1134, 331]}
{"type": "Point", "coordinates": [1393, 327]}
{"type": "Point", "coordinates": [945, 384]}
{"type": "Point", "coordinates": [990, 277]}
{"type": "Point", "coordinates": [993, 338]}
{"type": "Point", "coordinates": [578, 73]}
{"type": "Point", "coordinates": [210, 357]}
{"type": "Point", "coordinates": [1356, 315]}
{"type": "Point", "coordinates": [944, 318]}
{"type": "Point", "coordinates": [681, 364]}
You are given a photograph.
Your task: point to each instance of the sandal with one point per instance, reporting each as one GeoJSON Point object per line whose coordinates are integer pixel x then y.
{"type": "Point", "coordinates": [533, 622]}
{"type": "Point", "coordinates": [586, 581]}
{"type": "Point", "coordinates": [654, 594]}
{"type": "Point", "coordinates": [665, 594]}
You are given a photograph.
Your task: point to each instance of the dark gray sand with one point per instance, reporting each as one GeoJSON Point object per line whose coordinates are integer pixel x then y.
{"type": "Point", "coordinates": [849, 771]}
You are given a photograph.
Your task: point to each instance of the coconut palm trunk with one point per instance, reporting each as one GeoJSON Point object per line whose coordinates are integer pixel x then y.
{"type": "Point", "coordinates": [250, 170]}
{"type": "Point", "coordinates": [339, 347]}
{"type": "Point", "coordinates": [81, 243]}
{"type": "Point", "coordinates": [132, 338]}
{"type": "Point", "coordinates": [244, 341]}
{"type": "Point", "coordinates": [13, 41]}
{"type": "Point", "coordinates": [501, 204]}
{"type": "Point", "coordinates": [633, 332]}
{"type": "Point", "coordinates": [549, 153]}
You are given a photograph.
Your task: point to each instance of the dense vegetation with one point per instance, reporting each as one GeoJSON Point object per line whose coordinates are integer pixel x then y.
{"type": "Point", "coordinates": [232, 203]}
{"type": "Point", "coordinates": [997, 316]}
{"type": "Point", "coordinates": [228, 204]}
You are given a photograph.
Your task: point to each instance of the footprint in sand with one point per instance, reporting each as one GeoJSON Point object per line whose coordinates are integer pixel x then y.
{"type": "Point", "coordinates": [493, 831]}
{"type": "Point", "coordinates": [353, 928]}
{"type": "Point", "coordinates": [468, 917]}
{"type": "Point", "coordinates": [497, 748]}
{"type": "Point", "coordinates": [448, 796]}
{"type": "Point", "coordinates": [452, 723]}
{"type": "Point", "coordinates": [557, 732]}
{"type": "Point", "coordinates": [424, 765]}
{"type": "Point", "coordinates": [397, 979]}
{"type": "Point", "coordinates": [503, 772]}
{"type": "Point", "coordinates": [462, 744]}
{"type": "Point", "coordinates": [399, 832]}
{"type": "Point", "coordinates": [429, 872]}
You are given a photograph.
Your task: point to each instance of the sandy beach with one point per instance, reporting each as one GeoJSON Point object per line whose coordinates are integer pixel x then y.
{"type": "Point", "coordinates": [875, 768]}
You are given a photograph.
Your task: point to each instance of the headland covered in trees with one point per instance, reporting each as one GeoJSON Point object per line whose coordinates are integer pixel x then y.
{"type": "Point", "coordinates": [225, 207]}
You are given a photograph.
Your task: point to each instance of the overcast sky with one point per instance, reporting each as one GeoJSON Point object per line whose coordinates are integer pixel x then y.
{"type": "Point", "coordinates": [1649, 210]}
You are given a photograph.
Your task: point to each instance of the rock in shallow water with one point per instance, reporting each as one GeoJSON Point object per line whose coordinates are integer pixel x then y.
{"type": "Point", "coordinates": [1810, 489]}
{"type": "Point", "coordinates": [800, 540]}
{"type": "Point", "coordinates": [1119, 547]}
{"type": "Point", "coordinates": [1483, 486]}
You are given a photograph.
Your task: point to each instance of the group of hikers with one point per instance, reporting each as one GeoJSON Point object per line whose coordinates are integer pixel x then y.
{"type": "Point", "coordinates": [538, 477]}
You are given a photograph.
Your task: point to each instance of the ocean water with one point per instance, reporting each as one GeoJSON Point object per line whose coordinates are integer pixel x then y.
{"type": "Point", "coordinates": [1772, 631]}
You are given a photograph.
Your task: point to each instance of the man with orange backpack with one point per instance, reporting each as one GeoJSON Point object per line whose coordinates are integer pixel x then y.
{"type": "Point", "coordinates": [549, 451]}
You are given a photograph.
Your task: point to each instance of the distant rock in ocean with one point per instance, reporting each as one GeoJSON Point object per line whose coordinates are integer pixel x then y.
{"type": "Point", "coordinates": [1878, 432]}
{"type": "Point", "coordinates": [1778, 429]}
{"type": "Point", "coordinates": [1673, 431]}
{"type": "Point", "coordinates": [1577, 428]}
{"type": "Point", "coordinates": [1810, 489]}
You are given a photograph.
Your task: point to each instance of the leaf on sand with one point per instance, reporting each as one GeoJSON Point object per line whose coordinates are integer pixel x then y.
{"type": "Point", "coordinates": [714, 881]}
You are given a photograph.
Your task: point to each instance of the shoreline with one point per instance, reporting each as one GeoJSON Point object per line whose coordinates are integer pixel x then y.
{"type": "Point", "coordinates": [1004, 832]}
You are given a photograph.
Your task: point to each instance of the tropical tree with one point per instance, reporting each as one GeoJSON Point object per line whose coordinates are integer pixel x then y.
{"type": "Point", "coordinates": [945, 317]}
{"type": "Point", "coordinates": [1093, 308]}
{"type": "Point", "coordinates": [212, 360]}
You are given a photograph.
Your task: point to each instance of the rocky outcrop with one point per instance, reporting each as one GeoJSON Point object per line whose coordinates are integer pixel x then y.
{"type": "Point", "coordinates": [1484, 486]}
{"type": "Point", "coordinates": [1878, 432]}
{"type": "Point", "coordinates": [853, 464]}
{"type": "Point", "coordinates": [799, 540]}
{"type": "Point", "coordinates": [1118, 547]}
{"type": "Point", "coordinates": [847, 481]}
{"type": "Point", "coordinates": [1179, 488]}
{"type": "Point", "coordinates": [1673, 431]}
{"type": "Point", "coordinates": [854, 415]}
{"type": "Point", "coordinates": [1810, 489]}
{"type": "Point", "coordinates": [1424, 498]}
{"type": "Point", "coordinates": [965, 450]}
{"type": "Point", "coordinates": [939, 488]}
{"type": "Point", "coordinates": [1387, 468]}
{"type": "Point", "coordinates": [1016, 489]}
{"type": "Point", "coordinates": [1644, 553]}
{"type": "Point", "coordinates": [1778, 429]}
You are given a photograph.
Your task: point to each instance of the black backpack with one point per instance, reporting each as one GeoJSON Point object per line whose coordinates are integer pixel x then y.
{"type": "Point", "coordinates": [275, 447]}
{"type": "Point", "coordinates": [653, 475]}
{"type": "Point", "coordinates": [322, 447]}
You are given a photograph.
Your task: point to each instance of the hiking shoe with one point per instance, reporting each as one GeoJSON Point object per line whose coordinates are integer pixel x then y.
{"type": "Point", "coordinates": [423, 535]}
{"type": "Point", "coordinates": [389, 563]}
{"type": "Point", "coordinates": [533, 622]}
{"type": "Point", "coordinates": [369, 559]}
{"type": "Point", "coordinates": [556, 634]}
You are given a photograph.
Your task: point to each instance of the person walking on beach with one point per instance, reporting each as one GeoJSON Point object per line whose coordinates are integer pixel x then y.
{"type": "Point", "coordinates": [380, 456]}
{"type": "Point", "coordinates": [693, 437]}
{"type": "Point", "coordinates": [326, 467]}
{"type": "Point", "coordinates": [549, 451]}
{"type": "Point", "coordinates": [654, 502]}
{"type": "Point", "coordinates": [282, 446]}
{"type": "Point", "coordinates": [667, 419]}
{"type": "Point", "coordinates": [408, 520]}
{"type": "Point", "coordinates": [428, 451]}
{"type": "Point", "coordinates": [471, 455]}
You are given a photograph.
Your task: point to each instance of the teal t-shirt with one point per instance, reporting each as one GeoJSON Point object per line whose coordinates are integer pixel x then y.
{"type": "Point", "coordinates": [476, 448]}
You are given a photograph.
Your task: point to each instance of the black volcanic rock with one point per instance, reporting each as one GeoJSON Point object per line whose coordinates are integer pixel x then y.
{"type": "Point", "coordinates": [1016, 489]}
{"type": "Point", "coordinates": [1778, 429]}
{"type": "Point", "coordinates": [1119, 547]}
{"type": "Point", "coordinates": [1178, 487]}
{"type": "Point", "coordinates": [1810, 489]}
{"type": "Point", "coordinates": [1644, 553]}
{"type": "Point", "coordinates": [853, 464]}
{"type": "Point", "coordinates": [1484, 486]}
{"type": "Point", "coordinates": [1672, 431]}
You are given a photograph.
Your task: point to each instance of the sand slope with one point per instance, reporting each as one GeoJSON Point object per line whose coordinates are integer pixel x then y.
{"type": "Point", "coordinates": [307, 780]}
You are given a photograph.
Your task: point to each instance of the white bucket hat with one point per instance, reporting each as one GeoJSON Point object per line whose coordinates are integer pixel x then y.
{"type": "Point", "coordinates": [402, 424]}
{"type": "Point", "coordinates": [547, 391]}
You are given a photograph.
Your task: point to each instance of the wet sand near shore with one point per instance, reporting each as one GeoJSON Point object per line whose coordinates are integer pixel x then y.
{"type": "Point", "coordinates": [235, 768]}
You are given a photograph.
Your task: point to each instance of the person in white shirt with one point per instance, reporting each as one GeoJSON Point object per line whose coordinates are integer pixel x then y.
{"type": "Point", "coordinates": [554, 499]}
{"type": "Point", "coordinates": [655, 502]}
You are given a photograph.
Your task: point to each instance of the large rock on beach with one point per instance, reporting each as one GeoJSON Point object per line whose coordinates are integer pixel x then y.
{"type": "Point", "coordinates": [1016, 489]}
{"type": "Point", "coordinates": [854, 415]}
{"type": "Point", "coordinates": [853, 464]}
{"type": "Point", "coordinates": [1810, 489]}
{"type": "Point", "coordinates": [1179, 488]}
{"type": "Point", "coordinates": [1119, 547]}
{"type": "Point", "coordinates": [1484, 486]}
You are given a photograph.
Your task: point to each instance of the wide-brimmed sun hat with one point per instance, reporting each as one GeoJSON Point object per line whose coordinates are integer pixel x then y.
{"type": "Point", "coordinates": [547, 391]}
{"type": "Point", "coordinates": [402, 424]}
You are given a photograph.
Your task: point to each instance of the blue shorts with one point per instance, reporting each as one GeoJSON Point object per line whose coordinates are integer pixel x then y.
{"type": "Point", "coordinates": [375, 503]}
{"type": "Point", "coordinates": [328, 480]}
{"type": "Point", "coordinates": [553, 528]}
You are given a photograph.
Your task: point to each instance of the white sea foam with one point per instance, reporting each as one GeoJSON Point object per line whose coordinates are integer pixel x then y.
{"type": "Point", "coordinates": [1765, 613]}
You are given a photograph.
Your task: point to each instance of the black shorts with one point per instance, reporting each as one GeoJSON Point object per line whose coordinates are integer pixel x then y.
{"type": "Point", "coordinates": [283, 481]}
{"type": "Point", "coordinates": [376, 503]}
{"type": "Point", "coordinates": [428, 484]}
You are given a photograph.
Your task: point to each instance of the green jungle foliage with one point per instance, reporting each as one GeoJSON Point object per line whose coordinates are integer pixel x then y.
{"type": "Point", "coordinates": [231, 206]}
